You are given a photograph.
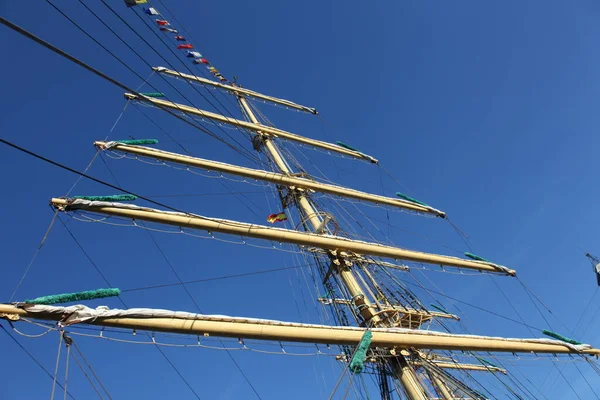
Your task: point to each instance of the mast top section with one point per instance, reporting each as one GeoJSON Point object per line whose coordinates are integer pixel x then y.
{"type": "Point", "coordinates": [238, 91]}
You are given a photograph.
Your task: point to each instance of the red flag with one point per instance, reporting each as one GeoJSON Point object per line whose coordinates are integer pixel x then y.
{"type": "Point", "coordinates": [185, 46]}
{"type": "Point", "coordinates": [162, 22]}
{"type": "Point", "coordinates": [277, 217]}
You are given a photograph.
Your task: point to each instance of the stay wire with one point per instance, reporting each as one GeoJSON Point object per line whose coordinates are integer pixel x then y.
{"type": "Point", "coordinates": [533, 296]}
{"type": "Point", "coordinates": [247, 153]}
{"type": "Point", "coordinates": [159, 248]}
{"type": "Point", "coordinates": [242, 194]}
{"type": "Point", "coordinates": [475, 306]}
{"type": "Point", "coordinates": [125, 305]}
{"type": "Point", "coordinates": [89, 379]}
{"type": "Point", "coordinates": [586, 381]}
{"type": "Point", "coordinates": [85, 170]}
{"type": "Point", "coordinates": [34, 360]}
{"type": "Point", "coordinates": [339, 380]}
{"type": "Point", "coordinates": [178, 142]}
{"type": "Point", "coordinates": [67, 371]}
{"type": "Point", "coordinates": [85, 253]}
{"type": "Point", "coordinates": [37, 251]}
{"type": "Point", "coordinates": [57, 364]}
{"type": "Point", "coordinates": [195, 87]}
{"type": "Point", "coordinates": [239, 368]}
{"type": "Point", "coordinates": [207, 194]}
{"type": "Point", "coordinates": [566, 380]}
{"type": "Point", "coordinates": [347, 391]}
{"type": "Point", "coordinates": [187, 33]}
{"type": "Point", "coordinates": [511, 305]}
{"type": "Point", "coordinates": [241, 150]}
{"type": "Point", "coordinates": [75, 60]}
{"type": "Point", "coordinates": [40, 157]}
{"type": "Point", "coordinates": [266, 271]}
{"type": "Point", "coordinates": [91, 369]}
{"type": "Point", "coordinates": [109, 169]}
{"type": "Point", "coordinates": [586, 308]}
{"type": "Point", "coordinates": [521, 318]}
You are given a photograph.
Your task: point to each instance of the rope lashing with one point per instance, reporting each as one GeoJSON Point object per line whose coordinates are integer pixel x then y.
{"type": "Point", "coordinates": [357, 364]}
{"type": "Point", "coordinates": [77, 296]}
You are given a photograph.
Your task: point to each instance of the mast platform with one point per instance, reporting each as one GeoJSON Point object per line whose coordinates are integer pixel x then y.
{"type": "Point", "coordinates": [396, 316]}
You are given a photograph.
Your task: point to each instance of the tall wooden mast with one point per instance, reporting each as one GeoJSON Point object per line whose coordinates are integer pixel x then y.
{"type": "Point", "coordinates": [402, 369]}
{"type": "Point", "coordinates": [346, 256]}
{"type": "Point", "coordinates": [348, 261]}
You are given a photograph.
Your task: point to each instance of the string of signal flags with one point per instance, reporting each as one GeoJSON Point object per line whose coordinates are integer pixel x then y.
{"type": "Point", "coordinates": [197, 58]}
{"type": "Point", "coordinates": [165, 26]}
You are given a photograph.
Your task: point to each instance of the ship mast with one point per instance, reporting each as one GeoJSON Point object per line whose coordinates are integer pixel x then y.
{"type": "Point", "coordinates": [340, 264]}
{"type": "Point", "coordinates": [346, 256]}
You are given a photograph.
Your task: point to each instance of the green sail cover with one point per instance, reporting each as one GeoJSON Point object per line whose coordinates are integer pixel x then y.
{"type": "Point", "coordinates": [116, 197]}
{"type": "Point", "coordinates": [138, 141]}
{"type": "Point", "coordinates": [78, 296]}
{"type": "Point", "coordinates": [153, 94]}
{"type": "Point", "coordinates": [357, 364]}
{"type": "Point", "coordinates": [408, 198]}
{"type": "Point", "coordinates": [486, 362]}
{"type": "Point", "coordinates": [439, 309]}
{"type": "Point", "coordinates": [560, 337]}
{"type": "Point", "coordinates": [475, 257]}
{"type": "Point", "coordinates": [344, 145]}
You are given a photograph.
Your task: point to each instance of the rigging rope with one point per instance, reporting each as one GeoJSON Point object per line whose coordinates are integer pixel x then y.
{"type": "Point", "coordinates": [102, 75]}
{"type": "Point", "coordinates": [144, 20]}
{"type": "Point", "coordinates": [217, 278]}
{"type": "Point", "coordinates": [67, 370]}
{"type": "Point", "coordinates": [37, 251]}
{"type": "Point", "coordinates": [34, 360]}
{"type": "Point", "coordinates": [85, 170]}
{"type": "Point", "coordinates": [91, 369]}
{"type": "Point", "coordinates": [57, 363]}
{"type": "Point", "coordinates": [197, 307]}
{"type": "Point", "coordinates": [89, 379]}
{"type": "Point", "coordinates": [125, 305]}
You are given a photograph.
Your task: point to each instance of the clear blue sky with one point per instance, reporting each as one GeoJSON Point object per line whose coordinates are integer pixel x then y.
{"type": "Point", "coordinates": [487, 111]}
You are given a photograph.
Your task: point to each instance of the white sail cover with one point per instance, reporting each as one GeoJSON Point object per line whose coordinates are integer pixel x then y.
{"type": "Point", "coordinates": [80, 313]}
